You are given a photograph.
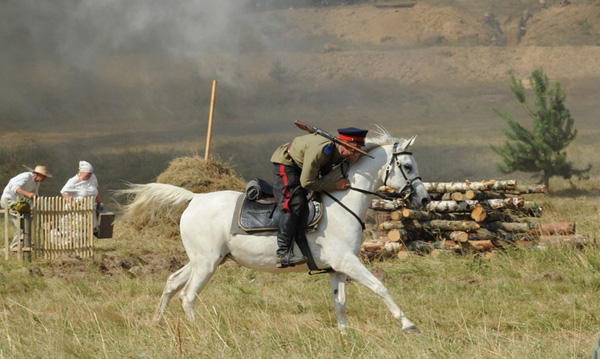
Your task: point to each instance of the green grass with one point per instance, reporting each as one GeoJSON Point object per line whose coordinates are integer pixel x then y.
{"type": "Point", "coordinates": [518, 304]}
{"type": "Point", "coordinates": [527, 303]}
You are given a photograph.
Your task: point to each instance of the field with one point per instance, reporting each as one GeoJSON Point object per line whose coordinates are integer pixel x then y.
{"type": "Point", "coordinates": [518, 304]}
{"type": "Point", "coordinates": [129, 91]}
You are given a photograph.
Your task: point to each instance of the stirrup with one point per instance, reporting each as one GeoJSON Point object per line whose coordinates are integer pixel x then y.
{"type": "Point", "coordinates": [286, 261]}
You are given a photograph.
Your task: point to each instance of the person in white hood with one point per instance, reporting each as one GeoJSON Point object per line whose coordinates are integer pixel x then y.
{"type": "Point", "coordinates": [83, 184]}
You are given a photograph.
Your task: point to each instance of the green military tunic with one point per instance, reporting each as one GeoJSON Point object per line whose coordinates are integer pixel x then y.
{"type": "Point", "coordinates": [309, 153]}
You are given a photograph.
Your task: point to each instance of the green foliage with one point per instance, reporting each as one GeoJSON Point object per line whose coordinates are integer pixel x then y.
{"type": "Point", "coordinates": [541, 149]}
{"type": "Point", "coordinates": [280, 74]}
{"type": "Point", "coordinates": [23, 205]}
{"type": "Point", "coordinates": [585, 26]}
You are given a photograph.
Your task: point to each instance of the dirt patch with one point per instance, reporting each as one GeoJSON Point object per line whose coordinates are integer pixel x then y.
{"type": "Point", "coordinates": [570, 25]}
{"type": "Point", "coordinates": [71, 267]}
{"type": "Point", "coordinates": [410, 26]}
{"type": "Point", "coordinates": [371, 25]}
{"type": "Point", "coordinates": [422, 44]}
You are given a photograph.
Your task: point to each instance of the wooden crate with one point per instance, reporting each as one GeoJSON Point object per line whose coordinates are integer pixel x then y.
{"type": "Point", "coordinates": [105, 223]}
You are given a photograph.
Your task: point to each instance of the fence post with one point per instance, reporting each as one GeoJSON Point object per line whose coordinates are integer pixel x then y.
{"type": "Point", "coordinates": [19, 233]}
{"type": "Point", "coordinates": [27, 237]}
{"type": "Point", "coordinates": [6, 244]}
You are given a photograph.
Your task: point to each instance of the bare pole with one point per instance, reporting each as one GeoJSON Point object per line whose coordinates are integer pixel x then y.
{"type": "Point", "coordinates": [6, 219]}
{"type": "Point", "coordinates": [210, 120]}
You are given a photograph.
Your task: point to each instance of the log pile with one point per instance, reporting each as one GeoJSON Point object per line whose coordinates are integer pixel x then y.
{"type": "Point", "coordinates": [484, 216]}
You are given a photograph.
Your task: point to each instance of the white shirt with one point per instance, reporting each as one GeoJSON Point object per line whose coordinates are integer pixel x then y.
{"type": "Point", "coordinates": [77, 188]}
{"type": "Point", "coordinates": [23, 181]}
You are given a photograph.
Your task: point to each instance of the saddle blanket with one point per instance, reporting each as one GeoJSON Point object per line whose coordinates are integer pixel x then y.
{"type": "Point", "coordinates": [262, 217]}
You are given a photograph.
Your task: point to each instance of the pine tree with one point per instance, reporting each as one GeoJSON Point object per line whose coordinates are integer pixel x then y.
{"type": "Point", "coordinates": [542, 149]}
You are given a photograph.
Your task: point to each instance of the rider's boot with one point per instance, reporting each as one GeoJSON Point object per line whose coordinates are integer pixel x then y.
{"type": "Point", "coordinates": [285, 242]}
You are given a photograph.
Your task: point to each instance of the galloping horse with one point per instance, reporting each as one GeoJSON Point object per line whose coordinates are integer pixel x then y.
{"type": "Point", "coordinates": [206, 229]}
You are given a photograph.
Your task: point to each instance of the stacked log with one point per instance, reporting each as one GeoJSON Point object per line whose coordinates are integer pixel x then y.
{"type": "Point", "coordinates": [484, 216]}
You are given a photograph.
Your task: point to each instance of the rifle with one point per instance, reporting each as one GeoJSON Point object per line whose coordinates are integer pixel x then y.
{"type": "Point", "coordinates": [317, 131]}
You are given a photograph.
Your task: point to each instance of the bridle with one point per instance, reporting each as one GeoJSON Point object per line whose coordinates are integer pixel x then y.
{"type": "Point", "coordinates": [405, 192]}
{"type": "Point", "coordinates": [408, 184]}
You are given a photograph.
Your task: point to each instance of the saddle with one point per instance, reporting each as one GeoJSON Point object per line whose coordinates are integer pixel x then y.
{"type": "Point", "coordinates": [257, 209]}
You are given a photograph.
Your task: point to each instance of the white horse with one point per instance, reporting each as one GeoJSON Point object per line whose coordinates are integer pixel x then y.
{"type": "Point", "coordinates": [206, 229]}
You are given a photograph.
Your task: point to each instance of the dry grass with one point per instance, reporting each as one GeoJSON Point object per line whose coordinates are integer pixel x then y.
{"type": "Point", "coordinates": [518, 304]}
{"type": "Point", "coordinates": [192, 173]}
{"type": "Point", "coordinates": [200, 176]}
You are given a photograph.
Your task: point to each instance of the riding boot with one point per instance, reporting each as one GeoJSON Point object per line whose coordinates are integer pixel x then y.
{"type": "Point", "coordinates": [288, 224]}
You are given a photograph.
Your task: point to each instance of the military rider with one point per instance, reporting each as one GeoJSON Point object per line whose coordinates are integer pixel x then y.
{"type": "Point", "coordinates": [305, 165]}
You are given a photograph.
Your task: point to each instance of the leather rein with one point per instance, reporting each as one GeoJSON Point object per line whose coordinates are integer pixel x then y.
{"type": "Point", "coordinates": [405, 192]}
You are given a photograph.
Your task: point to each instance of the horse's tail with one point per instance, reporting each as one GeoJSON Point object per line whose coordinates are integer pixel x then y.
{"type": "Point", "coordinates": [154, 200]}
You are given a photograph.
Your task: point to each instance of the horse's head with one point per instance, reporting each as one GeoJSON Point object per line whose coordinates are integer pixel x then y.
{"type": "Point", "coordinates": [402, 174]}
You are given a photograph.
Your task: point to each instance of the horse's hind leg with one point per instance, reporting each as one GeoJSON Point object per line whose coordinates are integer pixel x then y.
{"type": "Point", "coordinates": [353, 267]}
{"type": "Point", "coordinates": [203, 269]}
{"type": "Point", "coordinates": [338, 286]}
{"type": "Point", "coordinates": [174, 284]}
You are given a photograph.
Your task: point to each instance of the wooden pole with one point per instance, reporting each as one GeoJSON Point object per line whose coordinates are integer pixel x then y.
{"type": "Point", "coordinates": [27, 237]}
{"type": "Point", "coordinates": [210, 120]}
{"type": "Point", "coordinates": [20, 235]}
{"type": "Point", "coordinates": [6, 218]}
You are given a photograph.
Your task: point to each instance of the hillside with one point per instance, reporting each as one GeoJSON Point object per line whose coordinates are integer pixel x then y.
{"type": "Point", "coordinates": [135, 94]}
{"type": "Point", "coordinates": [423, 43]}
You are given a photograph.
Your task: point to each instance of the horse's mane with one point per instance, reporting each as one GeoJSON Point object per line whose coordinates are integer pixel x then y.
{"type": "Point", "coordinates": [379, 137]}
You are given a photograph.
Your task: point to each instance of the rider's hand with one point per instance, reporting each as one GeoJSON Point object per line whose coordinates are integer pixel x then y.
{"type": "Point", "coordinates": [342, 184]}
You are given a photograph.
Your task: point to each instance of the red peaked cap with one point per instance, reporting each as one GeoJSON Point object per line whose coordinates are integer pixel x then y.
{"type": "Point", "coordinates": [353, 134]}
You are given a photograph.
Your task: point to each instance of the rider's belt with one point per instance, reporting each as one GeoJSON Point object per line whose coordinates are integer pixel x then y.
{"type": "Point", "coordinates": [288, 152]}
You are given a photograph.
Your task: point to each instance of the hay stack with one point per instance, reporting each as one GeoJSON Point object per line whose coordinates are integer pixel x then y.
{"type": "Point", "coordinates": [192, 173]}
{"type": "Point", "coordinates": [200, 176]}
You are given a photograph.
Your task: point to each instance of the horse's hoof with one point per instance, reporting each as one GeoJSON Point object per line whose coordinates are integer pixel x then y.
{"type": "Point", "coordinates": [411, 330]}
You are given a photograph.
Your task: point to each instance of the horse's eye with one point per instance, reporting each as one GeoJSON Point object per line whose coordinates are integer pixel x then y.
{"type": "Point", "coordinates": [407, 167]}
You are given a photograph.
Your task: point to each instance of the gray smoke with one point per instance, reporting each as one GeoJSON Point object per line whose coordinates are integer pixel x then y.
{"type": "Point", "coordinates": [76, 32]}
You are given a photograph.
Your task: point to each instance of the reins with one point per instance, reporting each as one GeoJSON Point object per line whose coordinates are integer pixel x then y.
{"type": "Point", "coordinates": [362, 224]}
{"type": "Point", "coordinates": [389, 196]}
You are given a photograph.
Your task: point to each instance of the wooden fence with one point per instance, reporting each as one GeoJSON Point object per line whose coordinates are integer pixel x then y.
{"type": "Point", "coordinates": [58, 227]}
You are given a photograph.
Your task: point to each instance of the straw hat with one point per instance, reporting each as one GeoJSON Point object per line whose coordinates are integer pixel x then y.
{"type": "Point", "coordinates": [39, 169]}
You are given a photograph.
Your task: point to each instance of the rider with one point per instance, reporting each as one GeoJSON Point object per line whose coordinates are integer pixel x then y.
{"type": "Point", "coordinates": [304, 165]}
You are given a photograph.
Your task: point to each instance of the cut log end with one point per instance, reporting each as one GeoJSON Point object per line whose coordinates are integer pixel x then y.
{"type": "Point", "coordinates": [479, 214]}
{"type": "Point", "coordinates": [402, 255]}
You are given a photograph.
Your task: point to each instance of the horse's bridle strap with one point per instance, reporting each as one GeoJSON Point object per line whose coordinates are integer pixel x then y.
{"type": "Point", "coordinates": [388, 169]}
{"type": "Point", "coordinates": [362, 224]}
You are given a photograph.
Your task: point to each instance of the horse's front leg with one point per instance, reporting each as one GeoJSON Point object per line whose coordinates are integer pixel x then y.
{"type": "Point", "coordinates": [352, 266]}
{"type": "Point", "coordinates": [338, 286]}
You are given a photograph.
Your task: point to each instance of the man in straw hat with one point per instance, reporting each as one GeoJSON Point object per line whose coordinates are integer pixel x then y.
{"type": "Point", "coordinates": [306, 164]}
{"type": "Point", "coordinates": [24, 185]}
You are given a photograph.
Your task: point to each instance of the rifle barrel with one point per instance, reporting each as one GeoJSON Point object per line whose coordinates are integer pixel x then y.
{"type": "Point", "coordinates": [311, 129]}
